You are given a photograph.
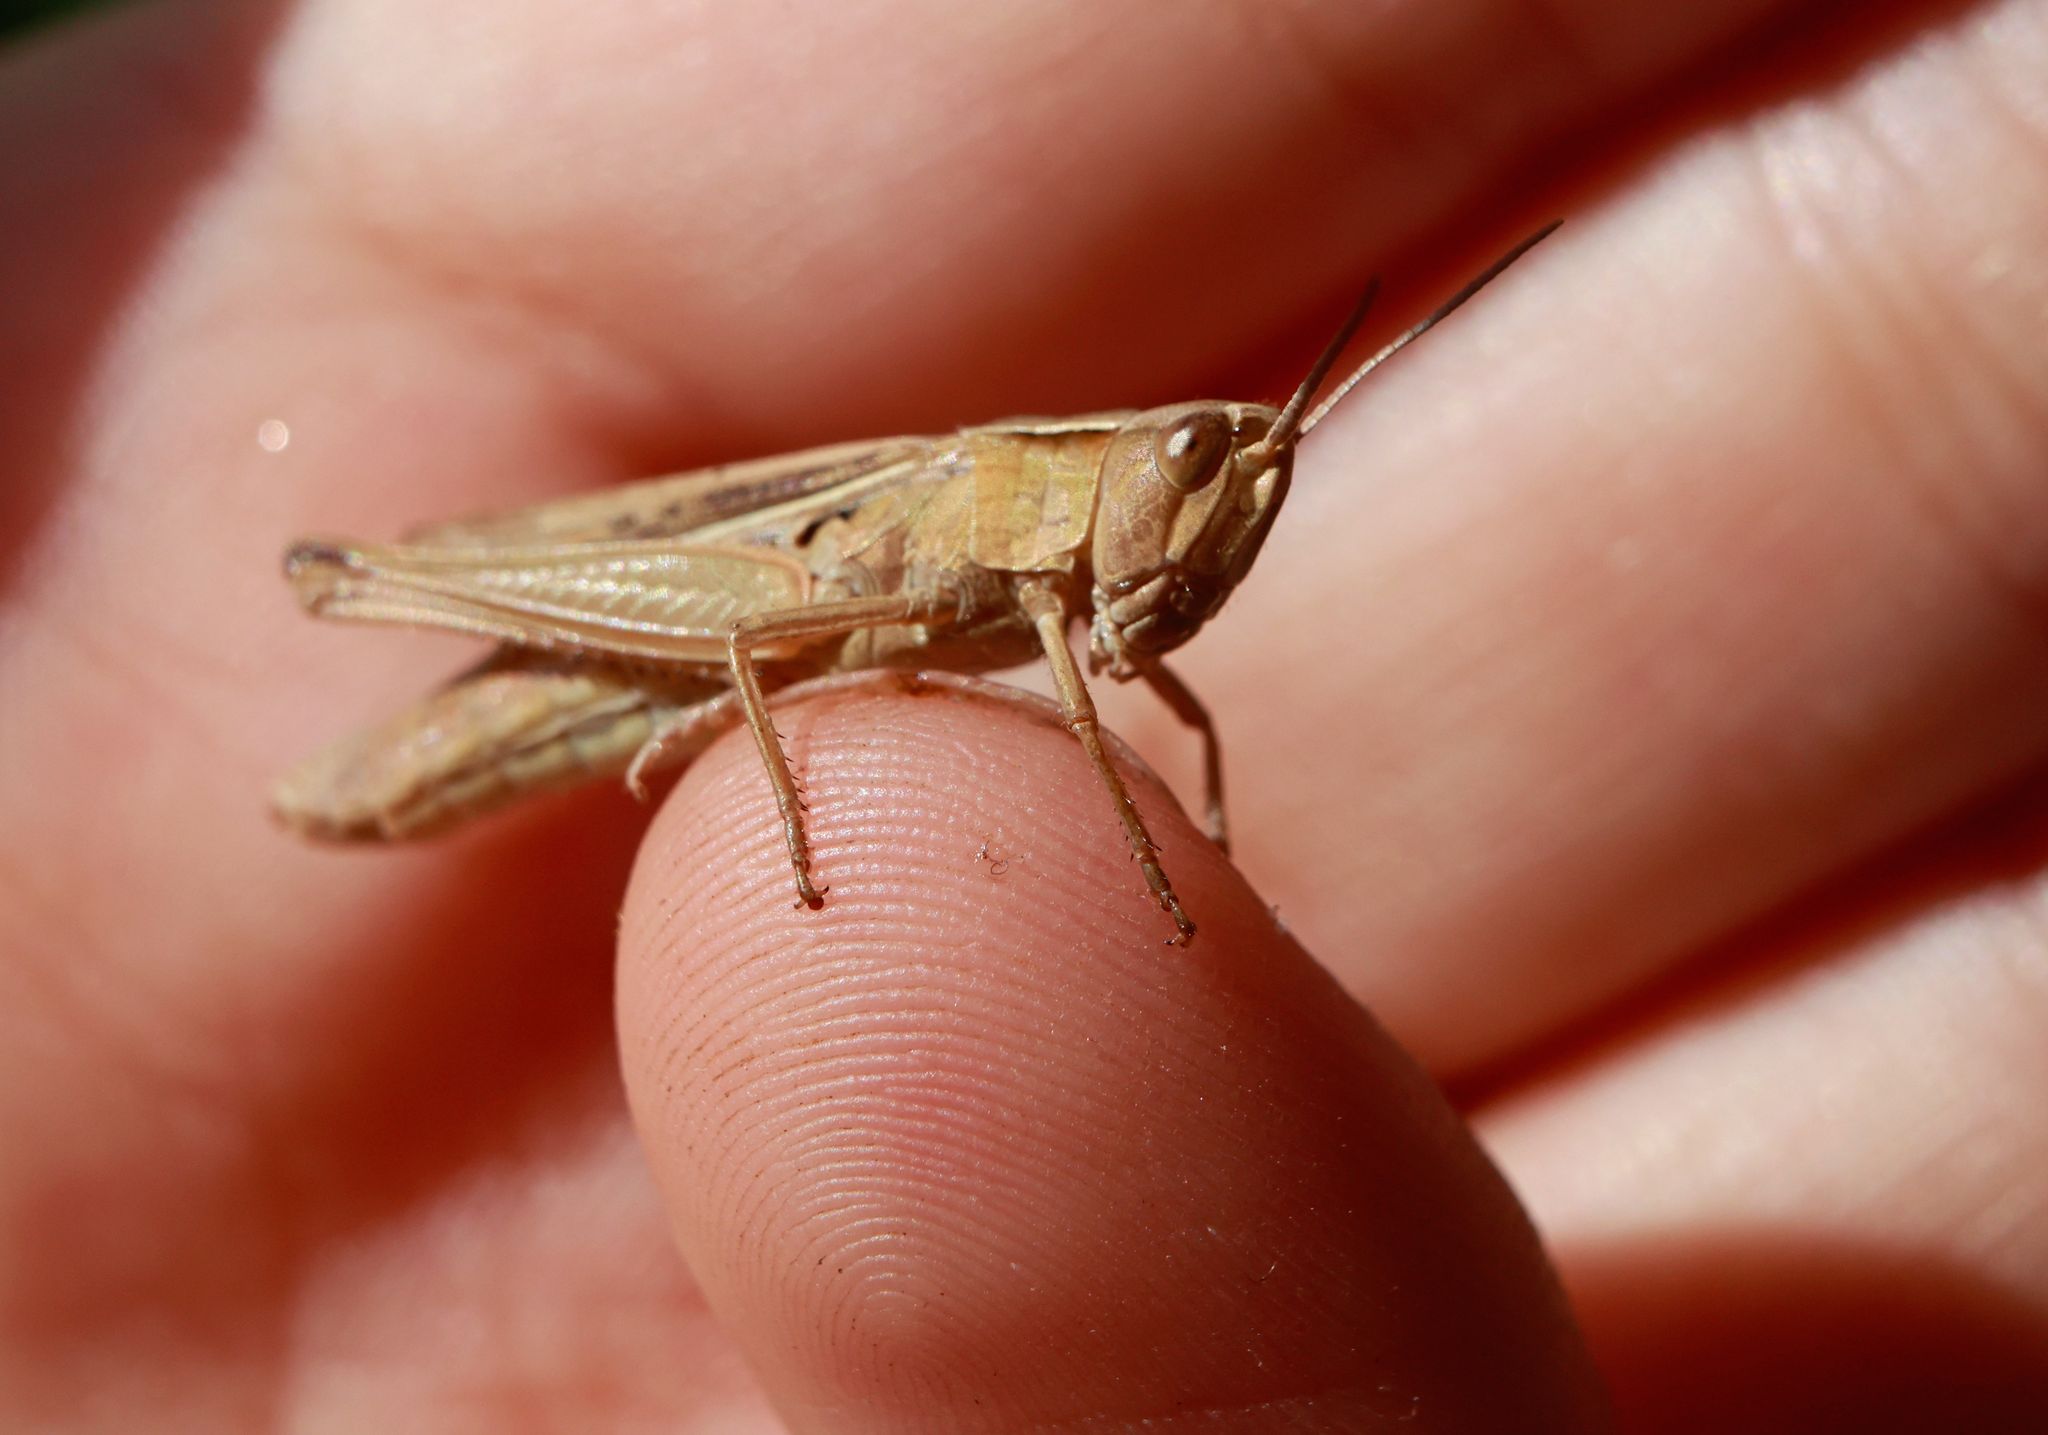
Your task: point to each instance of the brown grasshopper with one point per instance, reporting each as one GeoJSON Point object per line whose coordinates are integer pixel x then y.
{"type": "Point", "coordinates": [635, 624]}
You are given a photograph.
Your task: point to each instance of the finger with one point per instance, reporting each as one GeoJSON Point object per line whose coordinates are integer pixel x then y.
{"type": "Point", "coordinates": [1819, 1178]}
{"type": "Point", "coordinates": [1699, 559]}
{"type": "Point", "coordinates": [972, 1148]}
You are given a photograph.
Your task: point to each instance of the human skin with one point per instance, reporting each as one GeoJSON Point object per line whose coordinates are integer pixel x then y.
{"type": "Point", "coordinates": [1635, 711]}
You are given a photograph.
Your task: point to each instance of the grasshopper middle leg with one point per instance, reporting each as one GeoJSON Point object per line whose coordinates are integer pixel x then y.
{"type": "Point", "coordinates": [1179, 697]}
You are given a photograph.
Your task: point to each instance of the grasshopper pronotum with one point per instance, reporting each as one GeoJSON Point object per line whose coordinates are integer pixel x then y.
{"type": "Point", "coordinates": [634, 624]}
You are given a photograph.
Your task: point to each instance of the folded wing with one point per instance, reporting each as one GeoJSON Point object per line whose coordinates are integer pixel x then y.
{"type": "Point", "coordinates": [656, 600]}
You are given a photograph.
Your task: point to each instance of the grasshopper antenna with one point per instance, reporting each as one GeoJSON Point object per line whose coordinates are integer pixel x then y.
{"type": "Point", "coordinates": [1283, 433]}
{"type": "Point", "coordinates": [1443, 311]}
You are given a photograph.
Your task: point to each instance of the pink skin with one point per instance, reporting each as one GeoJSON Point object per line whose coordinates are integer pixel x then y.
{"type": "Point", "coordinates": [1633, 706]}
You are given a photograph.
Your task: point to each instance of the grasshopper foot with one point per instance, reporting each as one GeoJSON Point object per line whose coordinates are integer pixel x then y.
{"type": "Point", "coordinates": [808, 894]}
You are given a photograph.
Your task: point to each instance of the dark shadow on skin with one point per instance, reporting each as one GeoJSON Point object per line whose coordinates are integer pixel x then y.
{"type": "Point", "coordinates": [1778, 1332]}
{"type": "Point", "coordinates": [107, 160]}
{"type": "Point", "coordinates": [2002, 842]}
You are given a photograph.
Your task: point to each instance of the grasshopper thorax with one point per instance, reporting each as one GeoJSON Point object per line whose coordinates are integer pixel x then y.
{"type": "Point", "coordinates": [1188, 493]}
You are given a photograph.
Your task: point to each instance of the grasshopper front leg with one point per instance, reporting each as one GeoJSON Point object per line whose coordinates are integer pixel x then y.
{"type": "Point", "coordinates": [822, 620]}
{"type": "Point", "coordinates": [1049, 617]}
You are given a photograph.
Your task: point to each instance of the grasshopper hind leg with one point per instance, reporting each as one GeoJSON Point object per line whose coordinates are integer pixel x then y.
{"type": "Point", "coordinates": [800, 625]}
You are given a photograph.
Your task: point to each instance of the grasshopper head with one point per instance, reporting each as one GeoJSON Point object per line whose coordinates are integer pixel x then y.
{"type": "Point", "coordinates": [1188, 494]}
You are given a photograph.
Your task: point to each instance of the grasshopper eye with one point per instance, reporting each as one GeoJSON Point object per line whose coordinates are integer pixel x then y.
{"type": "Point", "coordinates": [1192, 451]}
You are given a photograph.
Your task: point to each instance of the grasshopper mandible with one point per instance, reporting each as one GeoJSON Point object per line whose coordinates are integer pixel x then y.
{"type": "Point", "coordinates": [635, 624]}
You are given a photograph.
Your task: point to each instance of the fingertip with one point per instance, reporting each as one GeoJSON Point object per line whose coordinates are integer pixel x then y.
{"type": "Point", "coordinates": [973, 1148]}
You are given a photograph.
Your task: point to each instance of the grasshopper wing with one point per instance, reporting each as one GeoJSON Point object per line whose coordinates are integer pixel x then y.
{"type": "Point", "coordinates": [519, 723]}
{"type": "Point", "coordinates": [666, 601]}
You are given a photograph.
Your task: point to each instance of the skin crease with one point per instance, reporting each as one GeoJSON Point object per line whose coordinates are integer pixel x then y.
{"type": "Point", "coordinates": [1637, 708]}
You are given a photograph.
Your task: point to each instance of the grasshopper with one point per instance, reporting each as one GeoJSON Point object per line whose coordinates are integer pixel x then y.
{"type": "Point", "coordinates": [635, 624]}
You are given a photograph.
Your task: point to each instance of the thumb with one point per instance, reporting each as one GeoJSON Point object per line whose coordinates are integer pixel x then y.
{"type": "Point", "coordinates": [972, 1149]}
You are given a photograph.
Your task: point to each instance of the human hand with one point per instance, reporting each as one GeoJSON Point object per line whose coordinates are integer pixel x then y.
{"type": "Point", "coordinates": [1608, 641]}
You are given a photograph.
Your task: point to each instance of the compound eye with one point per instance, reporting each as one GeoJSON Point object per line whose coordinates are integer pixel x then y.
{"type": "Point", "coordinates": [1191, 453]}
